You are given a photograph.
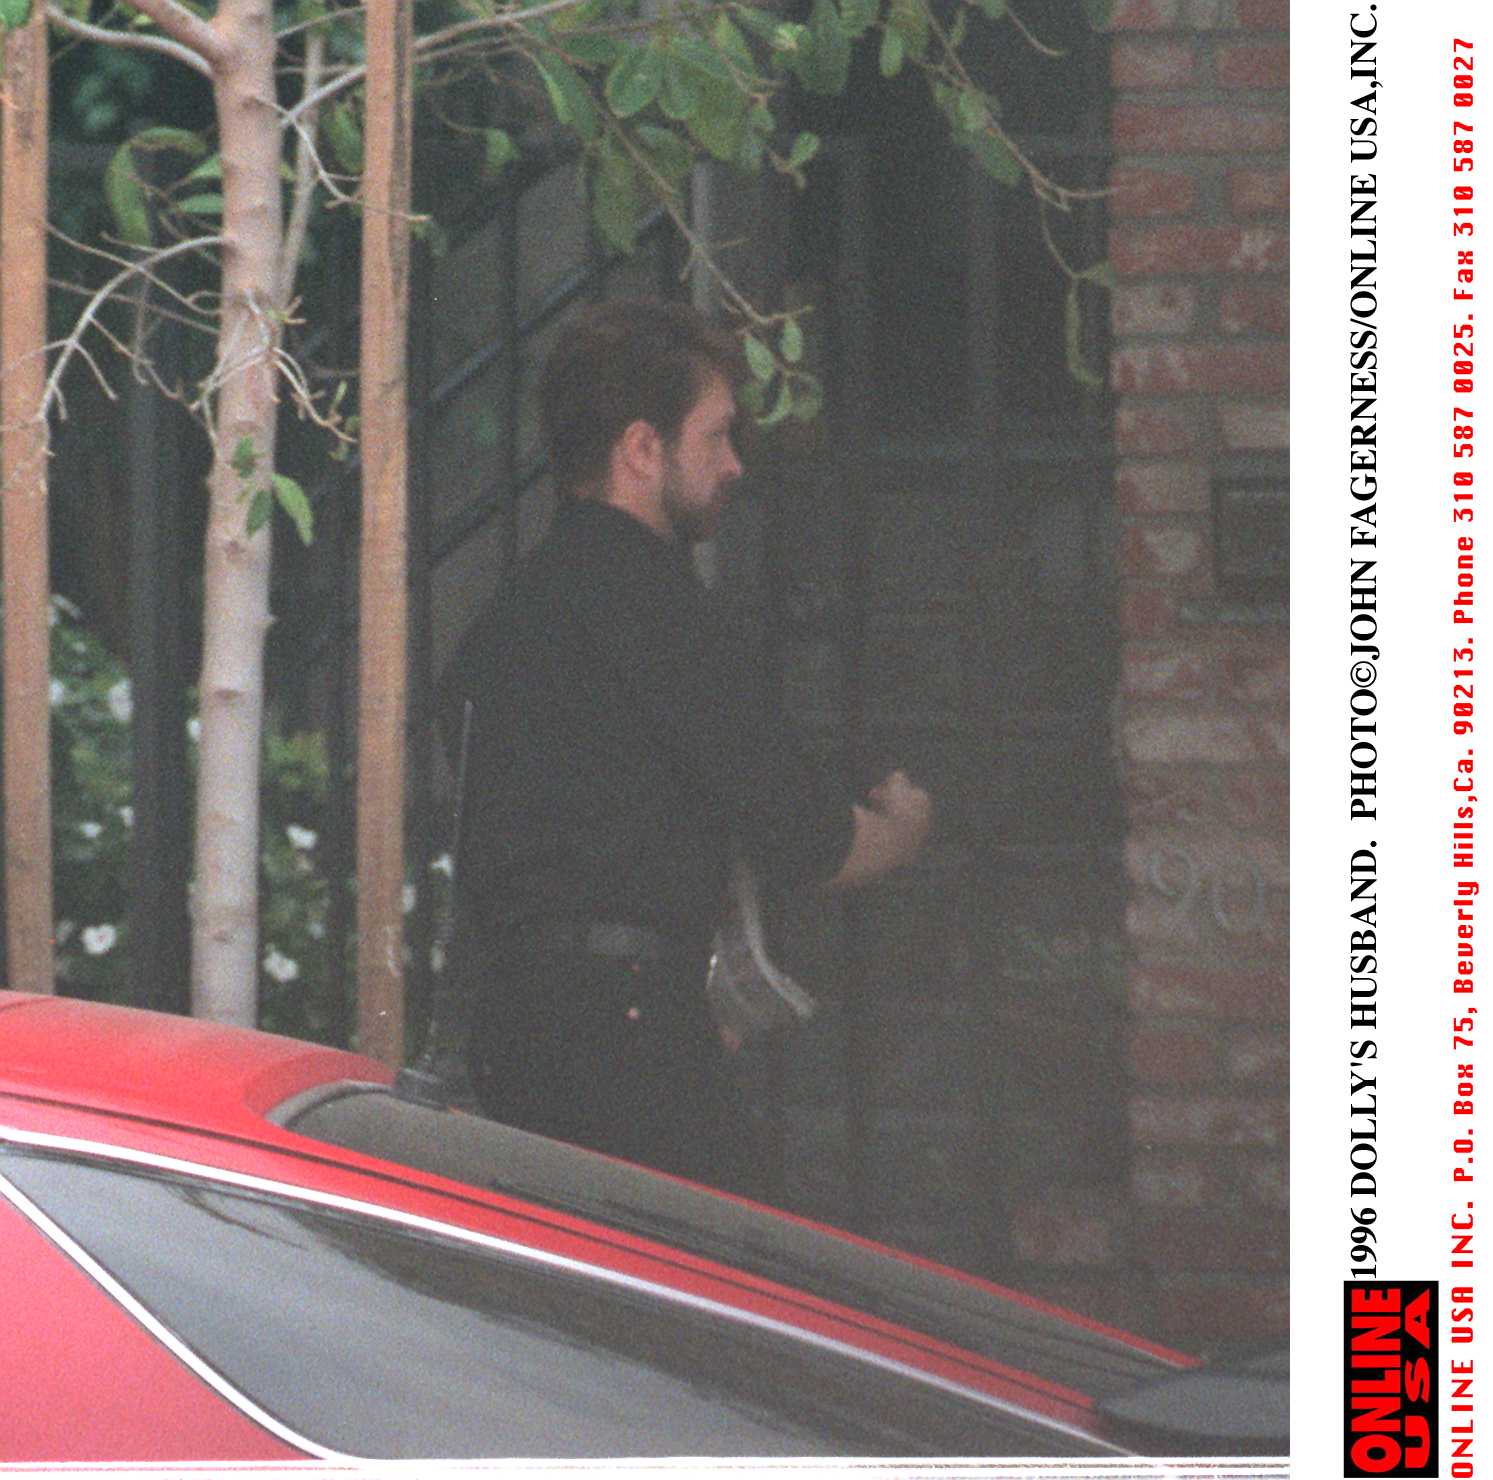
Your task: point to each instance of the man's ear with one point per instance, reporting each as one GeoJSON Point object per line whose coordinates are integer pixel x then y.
{"type": "Point", "coordinates": [641, 449]}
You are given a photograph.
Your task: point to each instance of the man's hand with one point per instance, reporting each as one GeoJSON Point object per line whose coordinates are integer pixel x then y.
{"type": "Point", "coordinates": [889, 832]}
{"type": "Point", "coordinates": [907, 807]}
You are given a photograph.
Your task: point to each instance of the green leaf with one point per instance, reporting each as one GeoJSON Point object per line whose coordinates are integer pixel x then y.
{"type": "Point", "coordinates": [308, 12]}
{"type": "Point", "coordinates": [211, 168]}
{"type": "Point", "coordinates": [635, 81]}
{"type": "Point", "coordinates": [972, 116]}
{"type": "Point", "coordinates": [1098, 13]}
{"type": "Point", "coordinates": [201, 205]}
{"type": "Point", "coordinates": [727, 36]}
{"type": "Point", "coordinates": [1078, 367]}
{"type": "Point", "coordinates": [859, 16]}
{"type": "Point", "coordinates": [909, 19]}
{"type": "Point", "coordinates": [760, 23]}
{"type": "Point", "coordinates": [994, 10]}
{"type": "Point", "coordinates": [345, 136]}
{"type": "Point", "coordinates": [126, 197]}
{"type": "Point", "coordinates": [614, 199]}
{"type": "Point", "coordinates": [792, 37]}
{"type": "Point", "coordinates": [791, 344]}
{"type": "Point", "coordinates": [292, 498]}
{"type": "Point", "coordinates": [718, 123]}
{"type": "Point", "coordinates": [569, 96]}
{"type": "Point", "coordinates": [997, 159]}
{"type": "Point", "coordinates": [759, 358]}
{"type": "Point", "coordinates": [261, 506]}
{"type": "Point", "coordinates": [959, 30]}
{"type": "Point", "coordinates": [566, 20]}
{"type": "Point", "coordinates": [752, 152]}
{"type": "Point", "coordinates": [893, 52]}
{"type": "Point", "coordinates": [669, 154]}
{"type": "Point", "coordinates": [181, 139]}
{"type": "Point", "coordinates": [244, 459]}
{"type": "Point", "coordinates": [14, 14]}
{"type": "Point", "coordinates": [826, 69]}
{"type": "Point", "coordinates": [808, 397]}
{"type": "Point", "coordinates": [681, 90]}
{"type": "Point", "coordinates": [805, 147]}
{"type": "Point", "coordinates": [781, 407]}
{"type": "Point", "coordinates": [430, 231]}
{"type": "Point", "coordinates": [498, 150]}
{"type": "Point", "coordinates": [706, 60]}
{"type": "Point", "coordinates": [598, 51]}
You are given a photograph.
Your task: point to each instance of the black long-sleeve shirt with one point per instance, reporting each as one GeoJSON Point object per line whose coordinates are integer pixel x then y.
{"type": "Point", "coordinates": [621, 741]}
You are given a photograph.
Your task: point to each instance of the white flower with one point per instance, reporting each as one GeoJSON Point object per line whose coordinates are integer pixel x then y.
{"type": "Point", "coordinates": [66, 607]}
{"type": "Point", "coordinates": [121, 701]}
{"type": "Point", "coordinates": [300, 837]}
{"type": "Point", "coordinates": [98, 940]}
{"type": "Point", "coordinates": [442, 865]}
{"type": "Point", "coordinates": [316, 930]}
{"type": "Point", "coordinates": [282, 968]}
{"type": "Point", "coordinates": [90, 830]}
{"type": "Point", "coordinates": [409, 898]}
{"type": "Point", "coordinates": [127, 816]}
{"type": "Point", "coordinates": [64, 932]}
{"type": "Point", "coordinates": [58, 692]}
{"type": "Point", "coordinates": [437, 957]}
{"type": "Point", "coordinates": [194, 728]}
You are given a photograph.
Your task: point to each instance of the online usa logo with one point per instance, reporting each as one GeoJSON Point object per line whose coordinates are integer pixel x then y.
{"type": "Point", "coordinates": [1389, 1378]}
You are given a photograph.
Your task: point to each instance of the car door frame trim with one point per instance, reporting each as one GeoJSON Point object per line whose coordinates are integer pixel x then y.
{"type": "Point", "coordinates": [156, 1161]}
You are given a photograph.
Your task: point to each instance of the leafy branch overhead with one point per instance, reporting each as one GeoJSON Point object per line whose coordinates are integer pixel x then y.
{"type": "Point", "coordinates": [212, 226]}
{"type": "Point", "coordinates": [646, 98]}
{"type": "Point", "coordinates": [650, 101]}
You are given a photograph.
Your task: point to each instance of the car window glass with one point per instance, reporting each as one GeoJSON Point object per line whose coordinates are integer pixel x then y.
{"type": "Point", "coordinates": [383, 1341]}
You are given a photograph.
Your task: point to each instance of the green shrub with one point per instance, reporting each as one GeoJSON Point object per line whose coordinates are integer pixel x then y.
{"type": "Point", "coordinates": [93, 821]}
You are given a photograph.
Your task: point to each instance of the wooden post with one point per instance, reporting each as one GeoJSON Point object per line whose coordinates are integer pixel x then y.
{"type": "Point", "coordinates": [23, 493]}
{"type": "Point", "coordinates": [383, 587]}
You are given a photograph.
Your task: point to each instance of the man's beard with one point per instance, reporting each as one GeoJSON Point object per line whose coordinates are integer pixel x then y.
{"type": "Point", "coordinates": [692, 523]}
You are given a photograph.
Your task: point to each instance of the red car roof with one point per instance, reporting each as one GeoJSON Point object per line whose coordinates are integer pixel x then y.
{"type": "Point", "coordinates": [182, 1071]}
{"type": "Point", "coordinates": [177, 1078]}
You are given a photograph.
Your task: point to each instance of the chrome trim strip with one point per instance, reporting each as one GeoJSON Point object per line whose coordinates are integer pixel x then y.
{"type": "Point", "coordinates": [162, 1333]}
{"type": "Point", "coordinates": [102, 1150]}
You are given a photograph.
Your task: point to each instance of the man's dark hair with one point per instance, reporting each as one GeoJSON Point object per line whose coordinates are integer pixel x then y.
{"type": "Point", "coordinates": [626, 360]}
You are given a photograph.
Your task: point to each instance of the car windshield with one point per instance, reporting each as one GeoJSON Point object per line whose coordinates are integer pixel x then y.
{"type": "Point", "coordinates": [378, 1339]}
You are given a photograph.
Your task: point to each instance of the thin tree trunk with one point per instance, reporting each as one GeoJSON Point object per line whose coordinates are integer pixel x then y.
{"type": "Point", "coordinates": [225, 926]}
{"type": "Point", "coordinates": [23, 491]}
{"type": "Point", "coordinates": [383, 599]}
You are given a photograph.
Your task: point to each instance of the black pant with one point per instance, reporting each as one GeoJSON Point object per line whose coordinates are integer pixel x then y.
{"type": "Point", "coordinates": [616, 1054]}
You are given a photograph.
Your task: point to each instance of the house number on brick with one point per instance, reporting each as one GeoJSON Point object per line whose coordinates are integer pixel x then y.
{"type": "Point", "coordinates": [1233, 892]}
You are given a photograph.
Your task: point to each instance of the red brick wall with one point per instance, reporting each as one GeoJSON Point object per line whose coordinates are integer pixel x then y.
{"type": "Point", "coordinates": [1199, 371]}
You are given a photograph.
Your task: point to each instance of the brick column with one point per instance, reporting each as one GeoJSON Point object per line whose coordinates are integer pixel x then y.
{"type": "Point", "coordinates": [1199, 243]}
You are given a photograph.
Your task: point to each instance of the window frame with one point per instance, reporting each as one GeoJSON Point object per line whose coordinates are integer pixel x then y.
{"type": "Point", "coordinates": [130, 1159]}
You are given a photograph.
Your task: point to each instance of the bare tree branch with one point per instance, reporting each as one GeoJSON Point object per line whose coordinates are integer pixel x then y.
{"type": "Point", "coordinates": [139, 40]}
{"type": "Point", "coordinates": [190, 30]}
{"type": "Point", "coordinates": [1036, 45]}
{"type": "Point", "coordinates": [306, 169]}
{"type": "Point", "coordinates": [424, 45]}
{"type": "Point", "coordinates": [200, 301]}
{"type": "Point", "coordinates": [145, 266]}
